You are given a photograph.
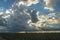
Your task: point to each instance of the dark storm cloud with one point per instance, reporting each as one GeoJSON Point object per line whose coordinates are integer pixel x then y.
{"type": "Point", "coordinates": [1, 22]}
{"type": "Point", "coordinates": [18, 22]}
{"type": "Point", "coordinates": [3, 25]}
{"type": "Point", "coordinates": [33, 15]}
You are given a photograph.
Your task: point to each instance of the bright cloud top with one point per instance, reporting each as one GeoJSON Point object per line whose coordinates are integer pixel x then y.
{"type": "Point", "coordinates": [1, 13]}
{"type": "Point", "coordinates": [50, 4]}
{"type": "Point", "coordinates": [9, 11]}
{"type": "Point", "coordinates": [27, 2]}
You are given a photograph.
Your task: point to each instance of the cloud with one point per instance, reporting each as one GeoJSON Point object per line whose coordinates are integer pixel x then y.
{"type": "Point", "coordinates": [3, 26]}
{"type": "Point", "coordinates": [18, 22]}
{"type": "Point", "coordinates": [20, 19]}
{"type": "Point", "coordinates": [16, 19]}
{"type": "Point", "coordinates": [1, 13]}
{"type": "Point", "coordinates": [50, 4]}
{"type": "Point", "coordinates": [6, 17]}
{"type": "Point", "coordinates": [26, 2]}
{"type": "Point", "coordinates": [33, 16]}
{"type": "Point", "coordinates": [46, 22]}
{"type": "Point", "coordinates": [3, 29]}
{"type": "Point", "coordinates": [9, 11]}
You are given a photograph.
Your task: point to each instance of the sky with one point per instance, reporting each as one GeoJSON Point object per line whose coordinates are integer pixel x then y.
{"type": "Point", "coordinates": [29, 15]}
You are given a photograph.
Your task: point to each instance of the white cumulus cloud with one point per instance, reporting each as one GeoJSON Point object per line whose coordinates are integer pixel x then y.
{"type": "Point", "coordinates": [50, 4]}
{"type": "Point", "coordinates": [1, 13]}
{"type": "Point", "coordinates": [9, 11]}
{"type": "Point", "coordinates": [26, 2]}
